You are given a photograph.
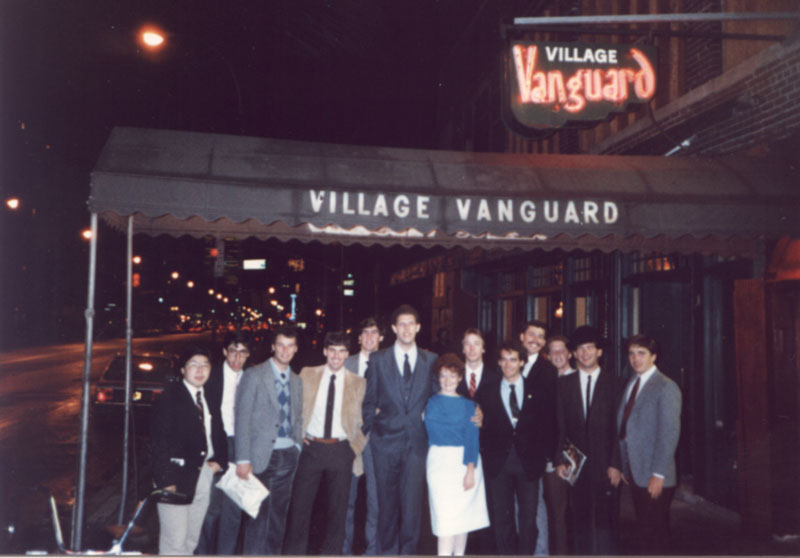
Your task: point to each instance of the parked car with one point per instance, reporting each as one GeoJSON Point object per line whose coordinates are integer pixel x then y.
{"type": "Point", "coordinates": [150, 373]}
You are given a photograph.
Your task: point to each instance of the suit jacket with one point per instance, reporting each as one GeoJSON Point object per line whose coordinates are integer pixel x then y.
{"type": "Point", "coordinates": [489, 375]}
{"type": "Point", "coordinates": [178, 440]}
{"type": "Point", "coordinates": [258, 414]}
{"type": "Point", "coordinates": [599, 440]}
{"type": "Point", "coordinates": [351, 363]}
{"type": "Point", "coordinates": [352, 398]}
{"type": "Point", "coordinates": [213, 388]}
{"type": "Point", "coordinates": [534, 438]}
{"type": "Point", "coordinates": [399, 425]}
{"type": "Point", "coordinates": [652, 431]}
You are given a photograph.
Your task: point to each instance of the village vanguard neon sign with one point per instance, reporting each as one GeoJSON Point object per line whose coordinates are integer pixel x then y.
{"type": "Point", "coordinates": [552, 84]}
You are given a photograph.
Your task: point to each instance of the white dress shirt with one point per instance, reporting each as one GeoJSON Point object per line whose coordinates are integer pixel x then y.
{"type": "Point", "coordinates": [206, 416]}
{"type": "Point", "coordinates": [230, 379]}
{"type": "Point", "coordinates": [478, 374]}
{"type": "Point", "coordinates": [316, 425]}
{"type": "Point", "coordinates": [519, 392]}
{"type": "Point", "coordinates": [584, 377]}
{"type": "Point", "coordinates": [363, 360]}
{"type": "Point", "coordinates": [529, 364]}
{"type": "Point", "coordinates": [400, 357]}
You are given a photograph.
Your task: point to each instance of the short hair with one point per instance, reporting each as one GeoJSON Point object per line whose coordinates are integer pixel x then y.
{"type": "Point", "coordinates": [237, 337]}
{"type": "Point", "coordinates": [333, 338]}
{"type": "Point", "coordinates": [642, 340]}
{"type": "Point", "coordinates": [561, 338]}
{"type": "Point", "coordinates": [194, 350]}
{"type": "Point", "coordinates": [474, 331]}
{"type": "Point", "coordinates": [514, 347]}
{"type": "Point", "coordinates": [286, 330]}
{"type": "Point", "coordinates": [367, 323]}
{"type": "Point", "coordinates": [534, 323]}
{"type": "Point", "coordinates": [449, 361]}
{"type": "Point", "coordinates": [404, 309]}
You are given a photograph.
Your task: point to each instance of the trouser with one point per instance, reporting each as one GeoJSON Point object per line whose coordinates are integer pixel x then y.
{"type": "Point", "coordinates": [180, 524]}
{"type": "Point", "coordinates": [334, 462]}
{"type": "Point", "coordinates": [264, 534]}
{"type": "Point", "coordinates": [510, 483]}
{"type": "Point", "coordinates": [223, 519]}
{"type": "Point", "coordinates": [556, 497]}
{"type": "Point", "coordinates": [594, 510]}
{"type": "Point", "coordinates": [371, 527]}
{"type": "Point", "coordinates": [652, 519]}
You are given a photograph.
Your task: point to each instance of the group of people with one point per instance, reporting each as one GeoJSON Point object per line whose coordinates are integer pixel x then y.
{"type": "Point", "coordinates": [488, 442]}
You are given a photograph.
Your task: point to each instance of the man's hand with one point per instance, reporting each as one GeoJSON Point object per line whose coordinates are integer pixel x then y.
{"type": "Point", "coordinates": [306, 441]}
{"type": "Point", "coordinates": [243, 470]}
{"type": "Point", "coordinates": [561, 471]}
{"type": "Point", "coordinates": [615, 476]}
{"type": "Point", "coordinates": [215, 467]}
{"type": "Point", "coordinates": [477, 418]}
{"type": "Point", "coordinates": [171, 488]}
{"type": "Point", "coordinates": [655, 486]}
{"type": "Point", "coordinates": [469, 478]}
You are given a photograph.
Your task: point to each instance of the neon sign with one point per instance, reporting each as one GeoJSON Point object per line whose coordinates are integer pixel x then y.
{"type": "Point", "coordinates": [555, 84]}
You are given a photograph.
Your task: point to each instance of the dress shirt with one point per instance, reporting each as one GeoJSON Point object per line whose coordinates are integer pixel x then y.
{"type": "Point", "coordinates": [478, 374]}
{"type": "Point", "coordinates": [283, 377]}
{"type": "Point", "coordinates": [505, 392]}
{"type": "Point", "coordinates": [584, 377]}
{"type": "Point", "coordinates": [230, 379]}
{"type": "Point", "coordinates": [400, 357]}
{"type": "Point", "coordinates": [566, 372]}
{"type": "Point", "coordinates": [363, 360]}
{"type": "Point", "coordinates": [529, 364]}
{"type": "Point", "coordinates": [316, 425]}
{"type": "Point", "coordinates": [206, 416]}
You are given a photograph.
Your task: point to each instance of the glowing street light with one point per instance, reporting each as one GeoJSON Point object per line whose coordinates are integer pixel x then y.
{"type": "Point", "coordinates": [175, 275]}
{"type": "Point", "coordinates": [211, 292]}
{"type": "Point", "coordinates": [152, 38]}
{"type": "Point", "coordinates": [137, 260]}
{"type": "Point", "coordinates": [86, 234]}
{"type": "Point", "coordinates": [190, 284]}
{"type": "Point", "coordinates": [12, 203]}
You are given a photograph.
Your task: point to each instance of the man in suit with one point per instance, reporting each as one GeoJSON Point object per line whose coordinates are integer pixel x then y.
{"type": "Point", "coordinates": [517, 439]}
{"type": "Point", "coordinates": [333, 442]}
{"type": "Point", "coordinates": [370, 337]}
{"type": "Point", "coordinates": [269, 432]}
{"type": "Point", "coordinates": [188, 447]}
{"type": "Point", "coordinates": [649, 422]}
{"type": "Point", "coordinates": [587, 410]}
{"type": "Point", "coordinates": [400, 380]}
{"type": "Point", "coordinates": [223, 518]}
{"type": "Point", "coordinates": [476, 374]}
{"type": "Point", "coordinates": [533, 337]}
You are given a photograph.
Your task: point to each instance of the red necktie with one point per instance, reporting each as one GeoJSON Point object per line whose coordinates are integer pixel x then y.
{"type": "Point", "coordinates": [628, 409]}
{"type": "Point", "coordinates": [472, 384]}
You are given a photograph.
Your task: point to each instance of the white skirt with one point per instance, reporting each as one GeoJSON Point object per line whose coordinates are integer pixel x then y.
{"type": "Point", "coordinates": [453, 509]}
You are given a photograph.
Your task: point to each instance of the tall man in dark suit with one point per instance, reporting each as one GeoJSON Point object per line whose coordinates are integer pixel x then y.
{"type": "Point", "coordinates": [399, 383]}
{"type": "Point", "coordinates": [587, 416]}
{"type": "Point", "coordinates": [649, 421]}
{"type": "Point", "coordinates": [517, 439]}
{"type": "Point", "coordinates": [476, 373]}
{"type": "Point", "coordinates": [370, 337]}
{"type": "Point", "coordinates": [269, 432]}
{"type": "Point", "coordinates": [188, 447]}
{"type": "Point", "coordinates": [333, 442]}
{"type": "Point", "coordinates": [224, 517]}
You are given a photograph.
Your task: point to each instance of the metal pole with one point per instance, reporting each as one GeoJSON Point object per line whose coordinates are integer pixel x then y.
{"type": "Point", "coordinates": [83, 437]}
{"type": "Point", "coordinates": [128, 350]}
{"type": "Point", "coordinates": [654, 18]}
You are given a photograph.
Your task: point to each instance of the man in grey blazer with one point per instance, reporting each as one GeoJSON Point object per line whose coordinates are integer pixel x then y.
{"type": "Point", "coordinates": [269, 432]}
{"type": "Point", "coordinates": [649, 424]}
{"type": "Point", "coordinates": [369, 339]}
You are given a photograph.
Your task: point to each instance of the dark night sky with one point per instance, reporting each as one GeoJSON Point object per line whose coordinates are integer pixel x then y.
{"type": "Point", "coordinates": [359, 72]}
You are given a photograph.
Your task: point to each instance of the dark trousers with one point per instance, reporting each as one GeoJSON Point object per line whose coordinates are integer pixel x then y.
{"type": "Point", "coordinates": [264, 534]}
{"type": "Point", "coordinates": [318, 460]}
{"type": "Point", "coordinates": [594, 507]}
{"type": "Point", "coordinates": [556, 496]}
{"type": "Point", "coordinates": [652, 519]}
{"type": "Point", "coordinates": [510, 482]}
{"type": "Point", "coordinates": [400, 475]}
{"type": "Point", "coordinates": [371, 489]}
{"type": "Point", "coordinates": [223, 519]}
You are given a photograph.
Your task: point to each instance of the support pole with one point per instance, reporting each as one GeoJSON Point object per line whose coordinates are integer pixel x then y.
{"type": "Point", "coordinates": [128, 351]}
{"type": "Point", "coordinates": [83, 436]}
{"type": "Point", "coordinates": [654, 18]}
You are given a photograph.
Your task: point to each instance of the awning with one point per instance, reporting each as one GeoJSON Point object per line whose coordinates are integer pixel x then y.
{"type": "Point", "coordinates": [187, 183]}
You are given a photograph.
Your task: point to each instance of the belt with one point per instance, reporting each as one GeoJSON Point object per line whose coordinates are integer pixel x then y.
{"type": "Point", "coordinates": [325, 440]}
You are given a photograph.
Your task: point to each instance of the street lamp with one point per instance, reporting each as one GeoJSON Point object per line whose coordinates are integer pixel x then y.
{"type": "Point", "coordinates": [175, 275]}
{"type": "Point", "coordinates": [12, 203]}
{"type": "Point", "coordinates": [86, 234]}
{"type": "Point", "coordinates": [151, 38]}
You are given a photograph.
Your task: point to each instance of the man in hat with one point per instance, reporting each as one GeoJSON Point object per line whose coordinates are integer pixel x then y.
{"type": "Point", "coordinates": [587, 410]}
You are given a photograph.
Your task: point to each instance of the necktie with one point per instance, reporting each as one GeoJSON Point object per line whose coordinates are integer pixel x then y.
{"type": "Point", "coordinates": [200, 408]}
{"type": "Point", "coordinates": [512, 403]}
{"type": "Point", "coordinates": [588, 399]}
{"type": "Point", "coordinates": [628, 409]}
{"type": "Point", "coordinates": [329, 407]}
{"type": "Point", "coordinates": [472, 384]}
{"type": "Point", "coordinates": [407, 370]}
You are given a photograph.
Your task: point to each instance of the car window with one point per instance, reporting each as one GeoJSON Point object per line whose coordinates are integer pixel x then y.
{"type": "Point", "coordinates": [142, 369]}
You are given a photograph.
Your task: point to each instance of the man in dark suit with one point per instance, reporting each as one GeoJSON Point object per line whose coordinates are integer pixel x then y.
{"type": "Point", "coordinates": [269, 432]}
{"type": "Point", "coordinates": [188, 447]}
{"type": "Point", "coordinates": [649, 422]}
{"type": "Point", "coordinates": [587, 410]}
{"type": "Point", "coordinates": [333, 442]}
{"type": "Point", "coordinates": [399, 382]}
{"type": "Point", "coordinates": [370, 337]}
{"type": "Point", "coordinates": [517, 439]}
{"type": "Point", "coordinates": [476, 373]}
{"type": "Point", "coordinates": [533, 336]}
{"type": "Point", "coordinates": [223, 518]}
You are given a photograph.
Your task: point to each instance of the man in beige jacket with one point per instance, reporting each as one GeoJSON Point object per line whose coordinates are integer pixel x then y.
{"type": "Point", "coordinates": [332, 446]}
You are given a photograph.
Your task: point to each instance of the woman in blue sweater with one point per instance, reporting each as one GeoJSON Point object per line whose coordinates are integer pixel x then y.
{"type": "Point", "coordinates": [455, 478]}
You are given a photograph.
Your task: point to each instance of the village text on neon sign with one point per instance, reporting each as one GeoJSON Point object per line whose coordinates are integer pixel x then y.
{"type": "Point", "coordinates": [554, 83]}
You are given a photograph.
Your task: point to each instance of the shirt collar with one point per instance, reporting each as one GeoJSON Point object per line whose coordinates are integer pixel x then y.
{"type": "Point", "coordinates": [192, 389]}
